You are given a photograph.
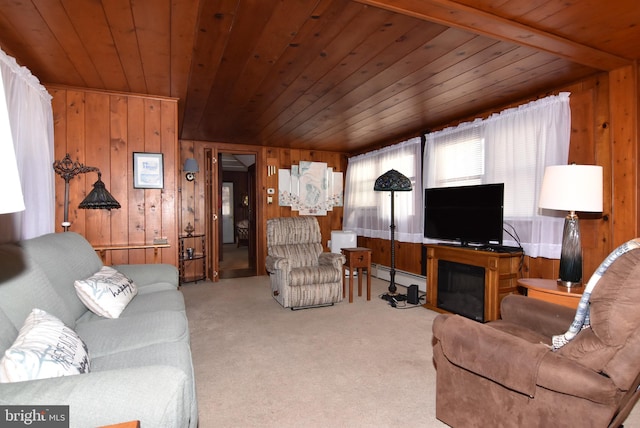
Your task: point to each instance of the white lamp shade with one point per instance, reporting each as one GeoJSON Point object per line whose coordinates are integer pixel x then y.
{"type": "Point", "coordinates": [572, 188]}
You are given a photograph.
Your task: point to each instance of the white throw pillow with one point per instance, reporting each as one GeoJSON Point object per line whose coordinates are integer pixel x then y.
{"type": "Point", "coordinates": [44, 348]}
{"type": "Point", "coordinates": [107, 292]}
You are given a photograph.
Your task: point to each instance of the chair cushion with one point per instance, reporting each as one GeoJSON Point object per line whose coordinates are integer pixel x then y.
{"type": "Point", "coordinates": [314, 275]}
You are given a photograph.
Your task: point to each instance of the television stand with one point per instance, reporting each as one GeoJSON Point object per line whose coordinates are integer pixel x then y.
{"type": "Point", "coordinates": [501, 273]}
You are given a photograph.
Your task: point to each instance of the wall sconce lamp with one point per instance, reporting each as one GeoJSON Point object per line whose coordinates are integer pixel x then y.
{"type": "Point", "coordinates": [98, 198]}
{"type": "Point", "coordinates": [190, 167]}
{"type": "Point", "coordinates": [571, 188]}
{"type": "Point", "coordinates": [392, 181]}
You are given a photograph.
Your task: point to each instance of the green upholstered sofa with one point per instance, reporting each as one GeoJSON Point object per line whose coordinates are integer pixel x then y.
{"type": "Point", "coordinates": [140, 363]}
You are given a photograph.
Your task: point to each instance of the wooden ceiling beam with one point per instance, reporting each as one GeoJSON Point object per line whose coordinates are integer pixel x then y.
{"type": "Point", "coordinates": [450, 13]}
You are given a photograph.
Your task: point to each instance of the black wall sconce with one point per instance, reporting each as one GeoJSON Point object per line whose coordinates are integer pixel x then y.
{"type": "Point", "coordinates": [98, 198]}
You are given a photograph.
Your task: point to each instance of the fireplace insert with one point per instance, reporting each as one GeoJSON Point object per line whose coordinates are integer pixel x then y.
{"type": "Point", "coordinates": [461, 289]}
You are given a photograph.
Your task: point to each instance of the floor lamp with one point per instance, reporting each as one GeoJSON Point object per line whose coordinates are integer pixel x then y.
{"type": "Point", "coordinates": [571, 188]}
{"type": "Point", "coordinates": [98, 198]}
{"type": "Point", "coordinates": [392, 181]}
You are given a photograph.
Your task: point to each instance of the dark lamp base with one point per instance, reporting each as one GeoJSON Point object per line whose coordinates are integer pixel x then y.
{"type": "Point", "coordinates": [393, 297]}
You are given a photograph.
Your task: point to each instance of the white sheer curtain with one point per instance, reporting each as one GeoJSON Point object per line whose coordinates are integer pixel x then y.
{"type": "Point", "coordinates": [516, 146]}
{"type": "Point", "coordinates": [368, 212]}
{"type": "Point", "coordinates": [31, 120]}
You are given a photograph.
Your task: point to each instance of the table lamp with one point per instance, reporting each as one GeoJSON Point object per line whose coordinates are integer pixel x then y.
{"type": "Point", "coordinates": [571, 188]}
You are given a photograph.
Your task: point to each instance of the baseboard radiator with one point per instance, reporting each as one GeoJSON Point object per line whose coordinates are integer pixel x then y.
{"type": "Point", "coordinates": [402, 278]}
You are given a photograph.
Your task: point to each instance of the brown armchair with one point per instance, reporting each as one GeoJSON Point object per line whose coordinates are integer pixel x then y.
{"type": "Point", "coordinates": [505, 374]}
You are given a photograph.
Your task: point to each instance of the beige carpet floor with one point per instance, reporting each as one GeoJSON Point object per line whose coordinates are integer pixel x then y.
{"type": "Point", "coordinates": [363, 364]}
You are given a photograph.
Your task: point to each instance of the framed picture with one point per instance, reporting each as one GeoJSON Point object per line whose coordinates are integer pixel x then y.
{"type": "Point", "coordinates": [148, 171]}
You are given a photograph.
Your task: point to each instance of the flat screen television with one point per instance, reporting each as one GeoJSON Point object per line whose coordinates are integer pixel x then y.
{"type": "Point", "coordinates": [469, 215]}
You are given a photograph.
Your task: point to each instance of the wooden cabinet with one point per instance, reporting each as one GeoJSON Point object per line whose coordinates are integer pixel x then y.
{"type": "Point", "coordinates": [501, 272]}
{"type": "Point", "coordinates": [192, 258]}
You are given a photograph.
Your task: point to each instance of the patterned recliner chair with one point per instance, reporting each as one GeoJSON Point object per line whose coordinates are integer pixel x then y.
{"type": "Point", "coordinates": [302, 275]}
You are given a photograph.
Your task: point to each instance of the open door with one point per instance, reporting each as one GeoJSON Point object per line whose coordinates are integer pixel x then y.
{"type": "Point", "coordinates": [237, 230]}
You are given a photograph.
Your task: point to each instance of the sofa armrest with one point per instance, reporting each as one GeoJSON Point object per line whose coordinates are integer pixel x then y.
{"type": "Point", "coordinates": [332, 259]}
{"type": "Point", "coordinates": [148, 274]}
{"type": "Point", "coordinates": [542, 317]}
{"type": "Point", "coordinates": [514, 362]}
{"type": "Point", "coordinates": [273, 264]}
{"type": "Point", "coordinates": [154, 395]}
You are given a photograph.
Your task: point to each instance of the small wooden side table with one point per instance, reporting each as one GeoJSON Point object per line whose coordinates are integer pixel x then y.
{"type": "Point", "coordinates": [549, 291]}
{"type": "Point", "coordinates": [358, 258]}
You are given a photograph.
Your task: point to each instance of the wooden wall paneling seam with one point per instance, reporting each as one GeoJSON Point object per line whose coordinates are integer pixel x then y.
{"type": "Point", "coordinates": [624, 132]}
{"type": "Point", "coordinates": [604, 156]}
{"type": "Point", "coordinates": [136, 136]}
{"type": "Point", "coordinates": [59, 107]}
{"type": "Point", "coordinates": [172, 168]}
{"type": "Point", "coordinates": [152, 197]}
{"type": "Point", "coordinates": [119, 165]}
{"type": "Point", "coordinates": [96, 152]}
{"type": "Point", "coordinates": [76, 149]}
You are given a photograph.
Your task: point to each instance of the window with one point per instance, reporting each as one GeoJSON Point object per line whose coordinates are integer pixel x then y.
{"type": "Point", "coordinates": [512, 147]}
{"type": "Point", "coordinates": [368, 212]}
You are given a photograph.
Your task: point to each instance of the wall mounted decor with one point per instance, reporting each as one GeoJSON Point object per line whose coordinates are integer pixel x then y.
{"type": "Point", "coordinates": [148, 171]}
{"type": "Point", "coordinates": [311, 188]}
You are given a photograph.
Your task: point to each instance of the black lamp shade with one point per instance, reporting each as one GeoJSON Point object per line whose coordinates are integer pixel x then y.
{"type": "Point", "coordinates": [99, 197]}
{"type": "Point", "coordinates": [392, 180]}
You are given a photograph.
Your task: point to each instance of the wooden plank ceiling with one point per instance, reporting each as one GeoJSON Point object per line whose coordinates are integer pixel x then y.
{"type": "Point", "coordinates": [335, 75]}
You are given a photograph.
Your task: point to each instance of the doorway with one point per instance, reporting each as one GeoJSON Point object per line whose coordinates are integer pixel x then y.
{"type": "Point", "coordinates": [237, 231]}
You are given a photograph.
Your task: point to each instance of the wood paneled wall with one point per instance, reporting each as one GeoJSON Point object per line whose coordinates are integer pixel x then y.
{"type": "Point", "coordinates": [103, 130]}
